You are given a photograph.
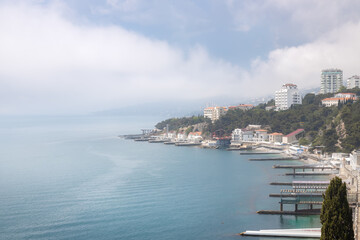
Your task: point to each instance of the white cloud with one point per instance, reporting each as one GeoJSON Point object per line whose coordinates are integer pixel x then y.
{"type": "Point", "coordinates": [302, 65]}
{"type": "Point", "coordinates": [49, 64]}
{"type": "Point", "coordinates": [306, 19]}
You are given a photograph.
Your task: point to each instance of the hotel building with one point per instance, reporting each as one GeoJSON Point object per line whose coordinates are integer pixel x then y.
{"type": "Point", "coordinates": [287, 96]}
{"type": "Point", "coordinates": [331, 80]}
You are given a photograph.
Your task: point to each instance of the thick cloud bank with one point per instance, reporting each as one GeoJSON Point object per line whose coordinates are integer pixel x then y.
{"type": "Point", "coordinates": [50, 64]}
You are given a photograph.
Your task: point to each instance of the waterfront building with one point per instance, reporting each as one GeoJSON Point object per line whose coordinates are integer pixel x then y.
{"type": "Point", "coordinates": [241, 135]}
{"type": "Point", "coordinates": [294, 136]}
{"type": "Point", "coordinates": [355, 159]}
{"type": "Point", "coordinates": [275, 137]}
{"type": "Point", "coordinates": [194, 137]}
{"type": "Point", "coordinates": [331, 80]}
{"type": "Point", "coordinates": [214, 113]}
{"type": "Point", "coordinates": [261, 135]}
{"type": "Point", "coordinates": [181, 136]}
{"type": "Point", "coordinates": [353, 81]}
{"type": "Point", "coordinates": [287, 96]}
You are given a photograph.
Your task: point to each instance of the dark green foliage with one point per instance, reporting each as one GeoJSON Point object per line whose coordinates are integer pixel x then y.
{"type": "Point", "coordinates": [176, 123]}
{"type": "Point", "coordinates": [336, 216]}
{"type": "Point", "coordinates": [317, 120]}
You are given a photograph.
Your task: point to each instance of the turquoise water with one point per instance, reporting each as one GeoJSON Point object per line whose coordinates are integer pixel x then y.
{"type": "Point", "coordinates": [73, 178]}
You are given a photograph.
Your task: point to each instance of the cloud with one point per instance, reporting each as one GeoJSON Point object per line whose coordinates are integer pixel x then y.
{"type": "Point", "coordinates": [49, 64]}
{"type": "Point", "coordinates": [302, 65]}
{"type": "Point", "coordinates": [305, 19]}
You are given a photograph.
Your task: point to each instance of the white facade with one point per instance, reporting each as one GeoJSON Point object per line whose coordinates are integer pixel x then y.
{"type": "Point", "coordinates": [352, 82]}
{"type": "Point", "coordinates": [331, 80]}
{"type": "Point", "coordinates": [261, 135]}
{"type": "Point", "coordinates": [287, 96]}
{"type": "Point", "coordinates": [355, 159]}
{"type": "Point", "coordinates": [241, 135]}
{"type": "Point", "coordinates": [214, 113]}
{"type": "Point", "coordinates": [346, 95]}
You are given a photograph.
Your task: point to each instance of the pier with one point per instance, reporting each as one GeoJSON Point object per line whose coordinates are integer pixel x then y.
{"type": "Point", "coordinates": [293, 233]}
{"type": "Point", "coordinates": [308, 193]}
{"type": "Point", "coordinates": [258, 153]}
{"type": "Point", "coordinates": [274, 159]}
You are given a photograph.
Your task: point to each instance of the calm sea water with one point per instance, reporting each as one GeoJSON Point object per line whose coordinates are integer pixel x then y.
{"type": "Point", "coordinates": [73, 178]}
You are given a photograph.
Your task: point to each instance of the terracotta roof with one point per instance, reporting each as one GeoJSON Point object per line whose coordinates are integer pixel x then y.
{"type": "Point", "coordinates": [278, 134]}
{"type": "Point", "coordinates": [295, 132]}
{"type": "Point", "coordinates": [261, 130]}
{"type": "Point", "coordinates": [336, 99]}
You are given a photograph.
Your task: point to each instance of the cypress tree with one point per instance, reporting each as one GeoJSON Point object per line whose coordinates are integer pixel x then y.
{"type": "Point", "coordinates": [336, 215]}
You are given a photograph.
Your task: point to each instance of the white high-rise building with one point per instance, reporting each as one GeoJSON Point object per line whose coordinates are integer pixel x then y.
{"type": "Point", "coordinates": [352, 82]}
{"type": "Point", "coordinates": [214, 113]}
{"type": "Point", "coordinates": [287, 96]}
{"type": "Point", "coordinates": [331, 80]}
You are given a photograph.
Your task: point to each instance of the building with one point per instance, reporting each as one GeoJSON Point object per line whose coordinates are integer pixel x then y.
{"type": "Point", "coordinates": [214, 113]}
{"type": "Point", "coordinates": [331, 80]}
{"type": "Point", "coordinates": [275, 137]}
{"type": "Point", "coordinates": [194, 137]}
{"type": "Point", "coordinates": [208, 112]}
{"type": "Point", "coordinates": [241, 135]}
{"type": "Point", "coordinates": [346, 95]}
{"type": "Point", "coordinates": [294, 136]}
{"type": "Point", "coordinates": [287, 96]}
{"type": "Point", "coordinates": [329, 102]}
{"type": "Point", "coordinates": [355, 159]}
{"type": "Point", "coordinates": [242, 107]}
{"type": "Point", "coordinates": [352, 82]}
{"type": "Point", "coordinates": [261, 135]}
{"type": "Point", "coordinates": [338, 98]}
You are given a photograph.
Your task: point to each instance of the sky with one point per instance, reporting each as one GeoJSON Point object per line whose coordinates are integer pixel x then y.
{"type": "Point", "coordinates": [68, 57]}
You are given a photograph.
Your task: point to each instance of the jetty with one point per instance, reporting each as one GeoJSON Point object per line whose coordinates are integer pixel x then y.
{"type": "Point", "coordinates": [258, 153]}
{"type": "Point", "coordinates": [187, 144]}
{"type": "Point", "coordinates": [274, 159]}
{"type": "Point", "coordinates": [310, 173]}
{"type": "Point", "coordinates": [293, 233]}
{"type": "Point", "coordinates": [303, 193]}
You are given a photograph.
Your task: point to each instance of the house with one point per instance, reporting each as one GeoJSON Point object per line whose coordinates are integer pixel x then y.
{"type": "Point", "coordinates": [346, 95]}
{"type": "Point", "coordinates": [194, 136]}
{"type": "Point", "coordinates": [339, 98]}
{"type": "Point", "coordinates": [241, 135]}
{"type": "Point", "coordinates": [181, 136]}
{"type": "Point", "coordinates": [275, 137]}
{"type": "Point", "coordinates": [261, 135]}
{"type": "Point", "coordinates": [294, 136]}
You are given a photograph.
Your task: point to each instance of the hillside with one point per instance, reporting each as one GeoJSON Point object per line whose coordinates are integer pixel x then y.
{"type": "Point", "coordinates": [335, 128]}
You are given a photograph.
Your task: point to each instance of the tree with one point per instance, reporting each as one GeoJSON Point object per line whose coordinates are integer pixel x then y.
{"type": "Point", "coordinates": [336, 216]}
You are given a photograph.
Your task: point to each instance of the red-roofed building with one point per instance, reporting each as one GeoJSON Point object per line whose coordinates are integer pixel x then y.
{"type": "Point", "coordinates": [294, 136]}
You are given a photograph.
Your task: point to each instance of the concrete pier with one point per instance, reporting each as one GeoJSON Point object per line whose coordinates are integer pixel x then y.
{"type": "Point", "coordinates": [293, 233]}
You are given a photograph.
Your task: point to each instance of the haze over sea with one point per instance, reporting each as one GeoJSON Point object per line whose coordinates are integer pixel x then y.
{"type": "Point", "coordinates": [73, 178]}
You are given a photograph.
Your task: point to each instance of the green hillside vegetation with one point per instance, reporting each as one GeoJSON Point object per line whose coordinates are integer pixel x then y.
{"type": "Point", "coordinates": [323, 125]}
{"type": "Point", "coordinates": [335, 128]}
{"type": "Point", "coordinates": [176, 123]}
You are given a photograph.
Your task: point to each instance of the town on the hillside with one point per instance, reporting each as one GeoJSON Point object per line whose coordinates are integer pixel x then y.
{"type": "Point", "coordinates": [333, 100]}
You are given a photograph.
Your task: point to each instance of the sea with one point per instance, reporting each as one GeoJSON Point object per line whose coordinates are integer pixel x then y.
{"type": "Point", "coordinates": [72, 177]}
